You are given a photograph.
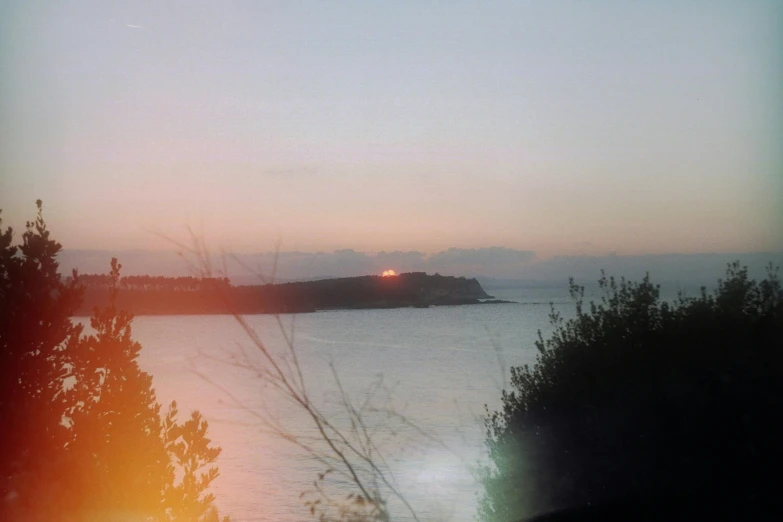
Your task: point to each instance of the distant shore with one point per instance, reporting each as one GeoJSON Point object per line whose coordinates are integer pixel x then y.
{"type": "Point", "coordinates": [148, 295]}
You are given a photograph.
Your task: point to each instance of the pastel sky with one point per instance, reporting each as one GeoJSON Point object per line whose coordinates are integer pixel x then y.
{"type": "Point", "coordinates": [556, 127]}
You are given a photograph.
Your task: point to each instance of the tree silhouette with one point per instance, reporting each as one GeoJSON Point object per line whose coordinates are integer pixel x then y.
{"type": "Point", "coordinates": [35, 337]}
{"type": "Point", "coordinates": [189, 446]}
{"type": "Point", "coordinates": [668, 405]}
{"type": "Point", "coordinates": [115, 417]}
{"type": "Point", "coordinates": [81, 424]}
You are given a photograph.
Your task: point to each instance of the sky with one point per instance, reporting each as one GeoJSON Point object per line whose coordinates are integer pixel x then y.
{"type": "Point", "coordinates": [557, 128]}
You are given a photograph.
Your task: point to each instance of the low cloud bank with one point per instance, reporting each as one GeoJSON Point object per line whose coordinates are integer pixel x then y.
{"type": "Point", "coordinates": [502, 265]}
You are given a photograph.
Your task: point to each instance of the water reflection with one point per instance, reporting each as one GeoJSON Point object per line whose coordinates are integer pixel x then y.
{"type": "Point", "coordinates": [438, 366]}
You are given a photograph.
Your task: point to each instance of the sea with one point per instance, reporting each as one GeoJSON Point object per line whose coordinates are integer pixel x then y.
{"type": "Point", "coordinates": [417, 383]}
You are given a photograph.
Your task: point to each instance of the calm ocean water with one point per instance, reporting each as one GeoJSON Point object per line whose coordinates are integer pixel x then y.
{"type": "Point", "coordinates": [440, 367]}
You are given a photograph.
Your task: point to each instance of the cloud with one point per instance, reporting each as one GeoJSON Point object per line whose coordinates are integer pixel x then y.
{"type": "Point", "coordinates": [482, 255]}
{"type": "Point", "coordinates": [685, 269]}
{"type": "Point", "coordinates": [134, 262]}
{"type": "Point", "coordinates": [401, 261]}
{"type": "Point", "coordinates": [493, 262]}
{"type": "Point", "coordinates": [134, 26]}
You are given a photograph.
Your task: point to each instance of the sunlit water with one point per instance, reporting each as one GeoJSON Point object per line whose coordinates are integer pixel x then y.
{"type": "Point", "coordinates": [441, 365]}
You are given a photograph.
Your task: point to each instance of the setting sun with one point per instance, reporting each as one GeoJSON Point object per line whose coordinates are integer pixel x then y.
{"type": "Point", "coordinates": [389, 273]}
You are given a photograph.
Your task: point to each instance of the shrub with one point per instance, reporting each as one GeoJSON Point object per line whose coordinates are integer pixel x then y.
{"type": "Point", "coordinates": [643, 399]}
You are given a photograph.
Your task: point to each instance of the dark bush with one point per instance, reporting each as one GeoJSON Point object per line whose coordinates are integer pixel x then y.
{"type": "Point", "coordinates": [665, 404]}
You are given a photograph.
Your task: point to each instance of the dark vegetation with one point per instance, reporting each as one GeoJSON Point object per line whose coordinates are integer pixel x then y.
{"type": "Point", "coordinates": [145, 295]}
{"type": "Point", "coordinates": [635, 409]}
{"type": "Point", "coordinates": [640, 409]}
{"type": "Point", "coordinates": [83, 436]}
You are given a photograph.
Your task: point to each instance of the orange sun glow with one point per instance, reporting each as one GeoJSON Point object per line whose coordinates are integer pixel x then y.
{"type": "Point", "coordinates": [389, 273]}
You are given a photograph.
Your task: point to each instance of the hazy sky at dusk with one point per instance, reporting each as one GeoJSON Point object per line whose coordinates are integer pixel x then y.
{"type": "Point", "coordinates": [555, 127]}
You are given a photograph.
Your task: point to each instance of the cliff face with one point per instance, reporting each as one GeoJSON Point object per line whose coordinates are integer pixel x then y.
{"type": "Point", "coordinates": [411, 289]}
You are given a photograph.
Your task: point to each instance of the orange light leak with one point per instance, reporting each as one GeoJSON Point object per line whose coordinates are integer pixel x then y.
{"type": "Point", "coordinates": [389, 273]}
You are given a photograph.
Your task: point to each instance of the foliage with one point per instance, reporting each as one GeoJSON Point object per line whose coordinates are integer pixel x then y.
{"type": "Point", "coordinates": [82, 430]}
{"type": "Point", "coordinates": [35, 336]}
{"type": "Point", "coordinates": [639, 398]}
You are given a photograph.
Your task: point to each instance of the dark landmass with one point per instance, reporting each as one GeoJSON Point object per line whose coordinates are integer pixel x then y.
{"type": "Point", "coordinates": [146, 295]}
